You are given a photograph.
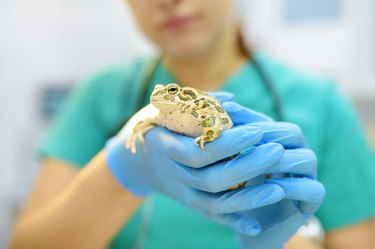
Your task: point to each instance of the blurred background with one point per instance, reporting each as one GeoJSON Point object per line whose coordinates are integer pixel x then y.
{"type": "Point", "coordinates": [47, 46]}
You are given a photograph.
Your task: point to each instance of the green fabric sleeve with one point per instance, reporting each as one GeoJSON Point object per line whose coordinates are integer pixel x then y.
{"type": "Point", "coordinates": [97, 106]}
{"type": "Point", "coordinates": [346, 165]}
{"type": "Point", "coordinates": [76, 135]}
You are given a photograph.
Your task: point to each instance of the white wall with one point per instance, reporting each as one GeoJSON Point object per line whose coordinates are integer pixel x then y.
{"type": "Point", "coordinates": [342, 48]}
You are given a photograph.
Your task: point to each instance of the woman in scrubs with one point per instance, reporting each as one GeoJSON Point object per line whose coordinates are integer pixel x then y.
{"type": "Point", "coordinates": [76, 201]}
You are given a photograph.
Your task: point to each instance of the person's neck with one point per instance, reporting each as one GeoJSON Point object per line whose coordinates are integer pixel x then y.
{"type": "Point", "coordinates": [208, 70]}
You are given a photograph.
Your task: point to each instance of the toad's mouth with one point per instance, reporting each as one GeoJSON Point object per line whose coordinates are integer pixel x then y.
{"type": "Point", "coordinates": [163, 102]}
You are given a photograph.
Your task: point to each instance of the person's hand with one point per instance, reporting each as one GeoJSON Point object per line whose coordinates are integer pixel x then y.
{"type": "Point", "coordinates": [170, 163]}
{"type": "Point", "coordinates": [303, 194]}
{"type": "Point", "coordinates": [120, 161]}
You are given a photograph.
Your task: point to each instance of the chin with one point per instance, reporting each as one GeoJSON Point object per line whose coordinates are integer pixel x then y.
{"type": "Point", "coordinates": [187, 48]}
{"type": "Point", "coordinates": [184, 54]}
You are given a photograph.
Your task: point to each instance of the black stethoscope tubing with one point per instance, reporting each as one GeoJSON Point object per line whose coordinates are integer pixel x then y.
{"type": "Point", "coordinates": [151, 68]}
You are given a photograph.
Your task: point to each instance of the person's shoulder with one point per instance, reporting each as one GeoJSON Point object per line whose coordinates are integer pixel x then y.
{"type": "Point", "coordinates": [121, 73]}
{"type": "Point", "coordinates": [291, 81]}
{"type": "Point", "coordinates": [112, 83]}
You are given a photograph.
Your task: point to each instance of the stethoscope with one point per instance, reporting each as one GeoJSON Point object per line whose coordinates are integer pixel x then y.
{"type": "Point", "coordinates": [149, 203]}
{"type": "Point", "coordinates": [152, 66]}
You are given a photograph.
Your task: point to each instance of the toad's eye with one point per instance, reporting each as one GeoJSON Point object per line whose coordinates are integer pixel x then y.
{"type": "Point", "coordinates": [172, 90]}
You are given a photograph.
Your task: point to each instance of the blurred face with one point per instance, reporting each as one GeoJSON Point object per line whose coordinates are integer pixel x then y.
{"type": "Point", "coordinates": [184, 28]}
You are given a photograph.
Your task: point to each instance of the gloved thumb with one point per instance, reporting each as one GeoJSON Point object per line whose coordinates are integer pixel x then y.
{"type": "Point", "coordinates": [241, 115]}
{"type": "Point", "coordinates": [222, 96]}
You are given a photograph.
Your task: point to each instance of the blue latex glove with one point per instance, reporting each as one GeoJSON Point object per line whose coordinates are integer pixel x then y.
{"type": "Point", "coordinates": [303, 195]}
{"type": "Point", "coordinates": [171, 164]}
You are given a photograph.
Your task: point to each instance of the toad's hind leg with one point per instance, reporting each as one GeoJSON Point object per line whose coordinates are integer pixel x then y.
{"type": "Point", "coordinates": [139, 130]}
{"type": "Point", "coordinates": [211, 131]}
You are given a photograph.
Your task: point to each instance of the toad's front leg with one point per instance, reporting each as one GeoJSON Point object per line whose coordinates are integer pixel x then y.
{"type": "Point", "coordinates": [212, 129]}
{"type": "Point", "coordinates": [139, 130]}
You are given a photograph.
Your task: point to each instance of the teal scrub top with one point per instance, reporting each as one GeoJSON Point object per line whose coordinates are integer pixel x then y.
{"type": "Point", "coordinates": [328, 120]}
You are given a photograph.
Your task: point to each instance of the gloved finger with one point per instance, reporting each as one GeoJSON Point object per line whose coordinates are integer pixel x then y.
{"type": "Point", "coordinates": [242, 224]}
{"type": "Point", "coordinates": [241, 115]}
{"type": "Point", "coordinates": [238, 200]}
{"type": "Point", "coordinates": [309, 193]}
{"type": "Point", "coordinates": [182, 149]}
{"type": "Point", "coordinates": [223, 175]}
{"type": "Point", "coordinates": [301, 162]}
{"type": "Point", "coordinates": [222, 96]}
{"type": "Point", "coordinates": [287, 134]}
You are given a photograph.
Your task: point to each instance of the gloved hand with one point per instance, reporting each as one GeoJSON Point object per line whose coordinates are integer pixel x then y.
{"type": "Point", "coordinates": [171, 164]}
{"type": "Point", "coordinates": [303, 194]}
{"type": "Point", "coordinates": [136, 180]}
